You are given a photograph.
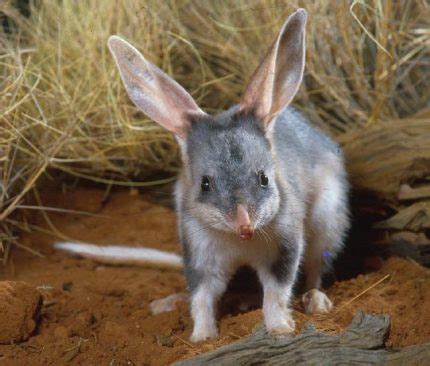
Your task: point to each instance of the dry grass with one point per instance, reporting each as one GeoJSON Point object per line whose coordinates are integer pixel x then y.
{"type": "Point", "coordinates": [62, 107]}
{"type": "Point", "coordinates": [365, 62]}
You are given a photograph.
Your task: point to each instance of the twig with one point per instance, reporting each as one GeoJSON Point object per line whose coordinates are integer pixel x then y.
{"type": "Point", "coordinates": [184, 341]}
{"type": "Point", "coordinates": [72, 352]}
{"type": "Point", "coordinates": [28, 249]}
{"type": "Point", "coordinates": [363, 292]}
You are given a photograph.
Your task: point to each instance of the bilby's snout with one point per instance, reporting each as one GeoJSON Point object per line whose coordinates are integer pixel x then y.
{"type": "Point", "coordinates": [243, 224]}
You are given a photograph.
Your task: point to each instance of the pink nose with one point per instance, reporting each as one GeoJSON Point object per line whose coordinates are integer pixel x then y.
{"type": "Point", "coordinates": [243, 223]}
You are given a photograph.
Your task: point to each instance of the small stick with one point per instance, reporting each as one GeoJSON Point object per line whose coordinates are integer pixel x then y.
{"type": "Point", "coordinates": [363, 292]}
{"type": "Point", "coordinates": [184, 341]}
{"type": "Point", "coordinates": [232, 335]}
{"type": "Point", "coordinates": [28, 249]}
{"type": "Point", "coordinates": [72, 352]}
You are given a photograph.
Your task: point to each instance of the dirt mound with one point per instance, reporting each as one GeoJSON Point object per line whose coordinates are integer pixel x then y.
{"type": "Point", "coordinates": [19, 311]}
{"type": "Point", "coordinates": [99, 314]}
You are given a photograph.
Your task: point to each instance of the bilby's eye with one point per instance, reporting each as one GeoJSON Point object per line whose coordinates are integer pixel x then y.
{"type": "Point", "coordinates": [263, 179]}
{"type": "Point", "coordinates": [206, 184]}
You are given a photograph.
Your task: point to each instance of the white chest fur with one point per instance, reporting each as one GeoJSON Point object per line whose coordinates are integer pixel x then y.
{"type": "Point", "coordinates": [218, 251]}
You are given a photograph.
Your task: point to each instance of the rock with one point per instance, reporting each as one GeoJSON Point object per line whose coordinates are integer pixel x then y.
{"type": "Point", "coordinates": [20, 305]}
{"type": "Point", "coordinates": [61, 332]}
{"type": "Point", "coordinates": [164, 341]}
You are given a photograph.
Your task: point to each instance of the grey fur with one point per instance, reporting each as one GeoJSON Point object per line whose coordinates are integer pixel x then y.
{"type": "Point", "coordinates": [301, 212]}
{"type": "Point", "coordinates": [232, 148]}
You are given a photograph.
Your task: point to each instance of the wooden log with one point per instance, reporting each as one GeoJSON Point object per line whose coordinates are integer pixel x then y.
{"type": "Point", "coordinates": [363, 343]}
{"type": "Point", "coordinates": [407, 193]}
{"type": "Point", "coordinates": [407, 232]}
{"type": "Point", "coordinates": [389, 166]}
{"type": "Point", "coordinates": [382, 157]}
{"type": "Point", "coordinates": [415, 217]}
{"type": "Point", "coordinates": [407, 244]}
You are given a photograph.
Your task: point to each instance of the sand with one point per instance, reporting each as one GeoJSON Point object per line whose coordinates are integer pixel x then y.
{"type": "Point", "coordinates": [100, 314]}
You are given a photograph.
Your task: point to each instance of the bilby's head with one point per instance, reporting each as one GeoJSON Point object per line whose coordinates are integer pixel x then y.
{"type": "Point", "coordinates": [228, 159]}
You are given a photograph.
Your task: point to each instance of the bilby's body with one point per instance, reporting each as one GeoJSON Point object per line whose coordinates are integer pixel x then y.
{"type": "Point", "coordinates": [259, 186]}
{"type": "Point", "coordinates": [308, 205]}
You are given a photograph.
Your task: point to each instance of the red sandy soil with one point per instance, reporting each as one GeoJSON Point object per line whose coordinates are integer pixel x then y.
{"type": "Point", "coordinates": [99, 314]}
{"type": "Point", "coordinates": [19, 310]}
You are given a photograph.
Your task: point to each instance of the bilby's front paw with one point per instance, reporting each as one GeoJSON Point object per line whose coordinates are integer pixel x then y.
{"type": "Point", "coordinates": [316, 302]}
{"type": "Point", "coordinates": [203, 333]}
{"type": "Point", "coordinates": [282, 325]}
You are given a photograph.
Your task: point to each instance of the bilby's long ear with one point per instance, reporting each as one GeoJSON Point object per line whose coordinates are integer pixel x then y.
{"type": "Point", "coordinates": [156, 94]}
{"type": "Point", "coordinates": [278, 77]}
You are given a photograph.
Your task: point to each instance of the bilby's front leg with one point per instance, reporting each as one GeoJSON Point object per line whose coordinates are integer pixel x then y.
{"type": "Point", "coordinates": [204, 300]}
{"type": "Point", "coordinates": [277, 314]}
{"type": "Point", "coordinates": [207, 270]}
{"type": "Point", "coordinates": [278, 279]}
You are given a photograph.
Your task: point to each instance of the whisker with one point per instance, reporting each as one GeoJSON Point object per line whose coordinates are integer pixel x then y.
{"type": "Point", "coordinates": [260, 232]}
{"type": "Point", "coordinates": [204, 227]}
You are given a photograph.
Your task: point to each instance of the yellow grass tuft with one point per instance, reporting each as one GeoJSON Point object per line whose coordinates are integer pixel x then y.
{"type": "Point", "coordinates": [63, 108]}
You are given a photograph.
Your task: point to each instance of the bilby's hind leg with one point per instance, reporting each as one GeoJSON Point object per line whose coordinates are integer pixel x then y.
{"type": "Point", "coordinates": [314, 300]}
{"type": "Point", "coordinates": [327, 224]}
{"type": "Point", "coordinates": [168, 303]}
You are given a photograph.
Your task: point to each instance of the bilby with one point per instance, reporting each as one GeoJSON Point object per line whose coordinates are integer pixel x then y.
{"type": "Point", "coordinates": [259, 187]}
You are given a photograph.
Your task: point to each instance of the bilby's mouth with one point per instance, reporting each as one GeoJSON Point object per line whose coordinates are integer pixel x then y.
{"type": "Point", "coordinates": [246, 232]}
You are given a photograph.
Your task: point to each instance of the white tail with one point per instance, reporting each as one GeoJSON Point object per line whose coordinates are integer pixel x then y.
{"type": "Point", "coordinates": [115, 254]}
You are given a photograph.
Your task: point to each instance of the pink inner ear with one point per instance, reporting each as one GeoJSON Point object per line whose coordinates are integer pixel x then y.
{"type": "Point", "coordinates": [258, 94]}
{"type": "Point", "coordinates": [154, 92]}
{"type": "Point", "coordinates": [277, 78]}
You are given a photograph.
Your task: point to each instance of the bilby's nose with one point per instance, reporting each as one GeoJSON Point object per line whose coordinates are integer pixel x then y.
{"type": "Point", "coordinates": [243, 223]}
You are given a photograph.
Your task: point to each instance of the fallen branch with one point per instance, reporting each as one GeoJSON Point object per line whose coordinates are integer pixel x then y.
{"type": "Point", "coordinates": [362, 343]}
